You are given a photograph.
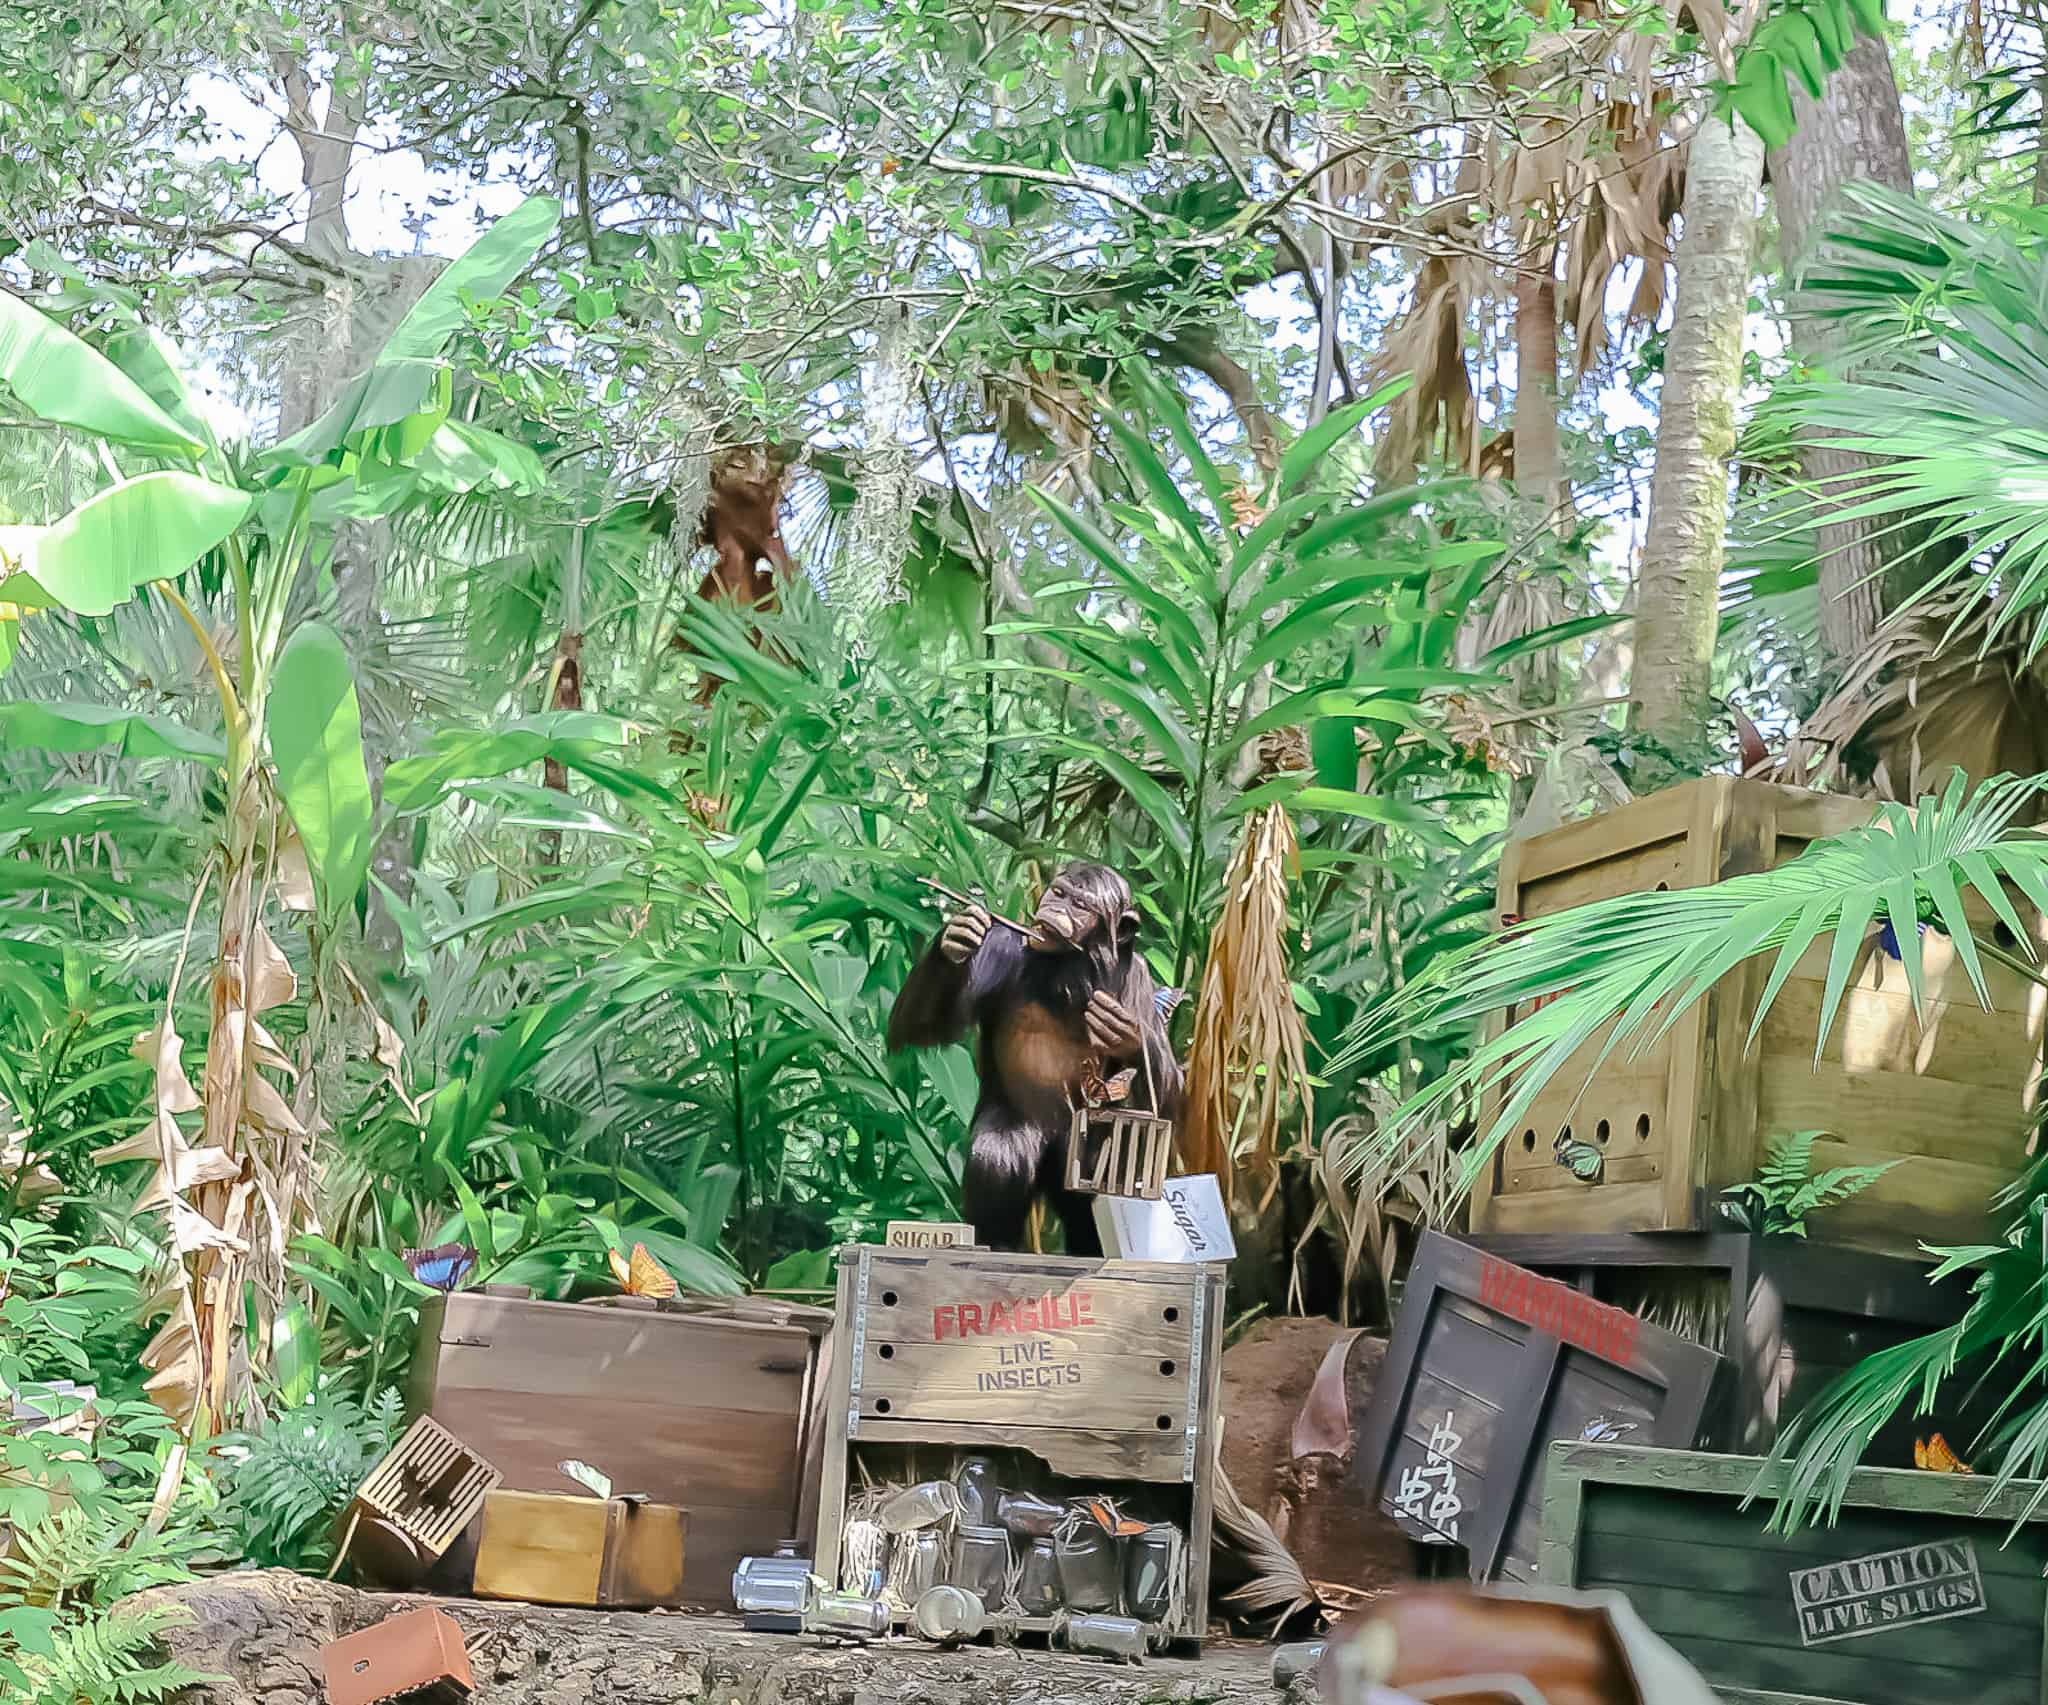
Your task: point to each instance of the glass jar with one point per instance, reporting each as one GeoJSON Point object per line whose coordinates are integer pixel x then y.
{"type": "Point", "coordinates": [924, 1505]}
{"type": "Point", "coordinates": [976, 1485]}
{"type": "Point", "coordinates": [1038, 1585]}
{"type": "Point", "coordinates": [1027, 1515]}
{"type": "Point", "coordinates": [916, 1560]}
{"type": "Point", "coordinates": [981, 1562]}
{"type": "Point", "coordinates": [1088, 1567]}
{"type": "Point", "coordinates": [1148, 1572]}
{"type": "Point", "coordinates": [949, 1614]}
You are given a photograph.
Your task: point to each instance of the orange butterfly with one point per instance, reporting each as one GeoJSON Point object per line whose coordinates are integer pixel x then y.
{"type": "Point", "coordinates": [1935, 1456]}
{"type": "Point", "coordinates": [643, 1276]}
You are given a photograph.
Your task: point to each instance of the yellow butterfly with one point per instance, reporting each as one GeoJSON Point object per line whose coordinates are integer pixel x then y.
{"type": "Point", "coordinates": [643, 1276]}
{"type": "Point", "coordinates": [1935, 1456]}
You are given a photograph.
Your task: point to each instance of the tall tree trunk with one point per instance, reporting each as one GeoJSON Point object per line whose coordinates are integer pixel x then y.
{"type": "Point", "coordinates": [1539, 456]}
{"type": "Point", "coordinates": [567, 695]}
{"type": "Point", "coordinates": [1678, 589]}
{"type": "Point", "coordinates": [1856, 130]}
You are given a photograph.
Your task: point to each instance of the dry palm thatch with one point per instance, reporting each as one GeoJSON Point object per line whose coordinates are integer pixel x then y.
{"type": "Point", "coordinates": [1278, 1587]}
{"type": "Point", "coordinates": [1926, 697]}
{"type": "Point", "coordinates": [1247, 1069]}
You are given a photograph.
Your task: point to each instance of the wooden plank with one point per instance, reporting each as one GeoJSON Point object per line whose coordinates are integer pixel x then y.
{"type": "Point", "coordinates": [552, 1350]}
{"type": "Point", "coordinates": [1900, 1490]}
{"type": "Point", "coordinates": [1956, 1041]}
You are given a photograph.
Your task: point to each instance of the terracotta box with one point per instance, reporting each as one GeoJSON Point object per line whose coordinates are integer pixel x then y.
{"type": "Point", "coordinates": [417, 1656]}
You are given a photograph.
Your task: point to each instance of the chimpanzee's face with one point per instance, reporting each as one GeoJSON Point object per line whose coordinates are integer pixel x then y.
{"type": "Point", "coordinates": [1088, 907]}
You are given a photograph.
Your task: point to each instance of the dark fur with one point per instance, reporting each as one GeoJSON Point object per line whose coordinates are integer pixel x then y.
{"type": "Point", "coordinates": [1033, 1044]}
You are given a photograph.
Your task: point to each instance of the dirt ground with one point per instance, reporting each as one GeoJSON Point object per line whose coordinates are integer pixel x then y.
{"type": "Point", "coordinates": [260, 1633]}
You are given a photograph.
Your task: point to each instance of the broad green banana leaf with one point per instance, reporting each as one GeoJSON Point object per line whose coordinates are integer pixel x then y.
{"type": "Point", "coordinates": [61, 378]}
{"type": "Point", "coordinates": [148, 528]}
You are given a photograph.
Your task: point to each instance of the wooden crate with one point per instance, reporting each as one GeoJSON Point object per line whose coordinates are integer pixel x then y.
{"type": "Point", "coordinates": [1487, 1364]}
{"type": "Point", "coordinates": [1920, 1593]}
{"type": "Point", "coordinates": [1695, 1112]}
{"type": "Point", "coordinates": [709, 1409]}
{"type": "Point", "coordinates": [1103, 1371]}
{"type": "Point", "coordinates": [1808, 1313]}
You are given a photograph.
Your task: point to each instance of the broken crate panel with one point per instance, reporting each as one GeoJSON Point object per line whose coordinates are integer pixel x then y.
{"type": "Point", "coordinates": [1488, 1363]}
{"type": "Point", "coordinates": [1920, 1590]}
{"type": "Point", "coordinates": [1695, 1111]}
{"type": "Point", "coordinates": [1075, 1376]}
{"type": "Point", "coordinates": [700, 1404]}
{"type": "Point", "coordinates": [1789, 1316]}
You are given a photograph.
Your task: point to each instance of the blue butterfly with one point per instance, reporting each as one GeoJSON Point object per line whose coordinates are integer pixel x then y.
{"type": "Point", "coordinates": [1888, 939]}
{"type": "Point", "coordinates": [1165, 1000]}
{"type": "Point", "coordinates": [443, 1267]}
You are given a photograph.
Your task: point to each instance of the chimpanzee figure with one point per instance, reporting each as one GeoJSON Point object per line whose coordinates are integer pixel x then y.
{"type": "Point", "coordinates": [1071, 1000]}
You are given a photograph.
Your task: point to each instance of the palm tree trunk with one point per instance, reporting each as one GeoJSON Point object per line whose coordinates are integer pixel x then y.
{"type": "Point", "coordinates": [1678, 589]}
{"type": "Point", "coordinates": [1856, 130]}
{"type": "Point", "coordinates": [1539, 455]}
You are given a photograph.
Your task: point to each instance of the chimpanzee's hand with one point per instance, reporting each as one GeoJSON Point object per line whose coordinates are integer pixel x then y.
{"type": "Point", "coordinates": [1113, 1027]}
{"type": "Point", "coordinates": [963, 934]}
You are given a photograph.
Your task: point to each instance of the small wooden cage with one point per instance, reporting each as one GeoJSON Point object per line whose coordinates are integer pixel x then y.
{"type": "Point", "coordinates": [1111, 1152]}
{"type": "Point", "coordinates": [429, 1487]}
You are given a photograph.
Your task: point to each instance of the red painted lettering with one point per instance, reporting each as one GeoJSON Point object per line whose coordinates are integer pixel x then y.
{"type": "Point", "coordinates": [970, 1320]}
{"type": "Point", "coordinates": [940, 1315]}
{"type": "Point", "coordinates": [1027, 1315]}
{"type": "Point", "coordinates": [999, 1318]}
{"type": "Point", "coordinates": [1084, 1310]}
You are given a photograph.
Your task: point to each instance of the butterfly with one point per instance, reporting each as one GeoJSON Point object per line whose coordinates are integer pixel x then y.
{"type": "Point", "coordinates": [1165, 1000]}
{"type": "Point", "coordinates": [1100, 1091]}
{"type": "Point", "coordinates": [443, 1267]}
{"type": "Point", "coordinates": [1582, 1160]}
{"type": "Point", "coordinates": [1935, 1456]}
{"type": "Point", "coordinates": [1601, 1431]}
{"type": "Point", "coordinates": [1107, 1517]}
{"type": "Point", "coordinates": [643, 1276]}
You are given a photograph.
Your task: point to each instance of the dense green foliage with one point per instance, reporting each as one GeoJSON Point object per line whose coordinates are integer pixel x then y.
{"type": "Point", "coordinates": [399, 851]}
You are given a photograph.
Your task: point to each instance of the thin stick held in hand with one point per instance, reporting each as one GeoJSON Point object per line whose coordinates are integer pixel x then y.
{"type": "Point", "coordinates": [964, 900]}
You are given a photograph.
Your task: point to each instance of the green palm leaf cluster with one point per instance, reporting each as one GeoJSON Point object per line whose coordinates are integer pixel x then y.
{"type": "Point", "coordinates": [1949, 325]}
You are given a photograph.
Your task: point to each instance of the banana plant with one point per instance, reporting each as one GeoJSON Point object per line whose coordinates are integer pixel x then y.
{"type": "Point", "coordinates": [298, 815]}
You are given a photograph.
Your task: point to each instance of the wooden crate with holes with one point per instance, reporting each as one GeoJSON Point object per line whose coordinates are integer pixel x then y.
{"type": "Point", "coordinates": [1075, 1377]}
{"type": "Point", "coordinates": [1678, 1122]}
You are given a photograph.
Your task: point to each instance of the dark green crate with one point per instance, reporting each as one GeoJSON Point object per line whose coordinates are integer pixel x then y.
{"type": "Point", "coordinates": [1921, 1593]}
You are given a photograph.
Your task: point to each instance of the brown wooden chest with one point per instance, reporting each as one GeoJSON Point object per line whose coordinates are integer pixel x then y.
{"type": "Point", "coordinates": [706, 1408]}
{"type": "Point", "coordinates": [1095, 1376]}
{"type": "Point", "coordinates": [1695, 1112]}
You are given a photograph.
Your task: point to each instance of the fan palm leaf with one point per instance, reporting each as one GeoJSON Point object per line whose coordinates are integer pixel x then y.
{"type": "Point", "coordinates": [1621, 971]}
{"type": "Point", "coordinates": [1951, 321]}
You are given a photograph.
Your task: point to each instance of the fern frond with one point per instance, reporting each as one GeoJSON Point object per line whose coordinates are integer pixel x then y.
{"type": "Point", "coordinates": [107, 1660]}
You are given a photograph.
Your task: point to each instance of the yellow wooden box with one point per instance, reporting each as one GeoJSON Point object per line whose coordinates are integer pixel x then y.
{"type": "Point", "coordinates": [558, 1548]}
{"type": "Point", "coordinates": [1696, 1112]}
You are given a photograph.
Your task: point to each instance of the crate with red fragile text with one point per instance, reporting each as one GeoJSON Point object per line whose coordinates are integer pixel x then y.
{"type": "Point", "coordinates": [1032, 1384]}
{"type": "Point", "coordinates": [1488, 1364]}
